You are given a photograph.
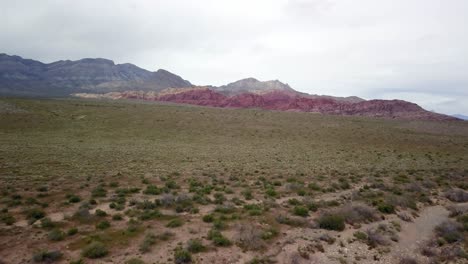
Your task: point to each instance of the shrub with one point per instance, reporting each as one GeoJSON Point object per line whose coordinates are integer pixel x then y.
{"type": "Point", "coordinates": [301, 211]}
{"type": "Point", "coordinates": [34, 214]}
{"type": "Point", "coordinates": [175, 223]}
{"type": "Point", "coordinates": [103, 225]}
{"type": "Point", "coordinates": [100, 213]}
{"type": "Point", "coordinates": [117, 217]}
{"type": "Point", "coordinates": [249, 237]}
{"type": "Point", "coordinates": [408, 260]}
{"type": "Point", "coordinates": [82, 215]}
{"type": "Point", "coordinates": [457, 195]}
{"type": "Point", "coordinates": [218, 239]}
{"type": "Point", "coordinates": [72, 231]}
{"type": "Point", "coordinates": [375, 238]}
{"type": "Point", "coordinates": [134, 261]}
{"type": "Point", "coordinates": [450, 231]}
{"type": "Point", "coordinates": [166, 235]}
{"type": "Point", "coordinates": [332, 222]}
{"type": "Point", "coordinates": [269, 233]}
{"type": "Point", "coordinates": [360, 235]}
{"type": "Point", "coordinates": [208, 218]}
{"type": "Point", "coordinates": [148, 241]}
{"type": "Point", "coordinates": [7, 218]}
{"type": "Point", "coordinates": [47, 223]}
{"type": "Point", "coordinates": [95, 250]}
{"type": "Point", "coordinates": [152, 190]}
{"type": "Point", "coordinates": [56, 235]}
{"type": "Point", "coordinates": [73, 198]}
{"type": "Point", "coordinates": [356, 214]}
{"type": "Point", "coordinates": [292, 221]}
{"type": "Point", "coordinates": [195, 246]}
{"type": "Point", "coordinates": [386, 208]}
{"type": "Point", "coordinates": [182, 256]}
{"type": "Point", "coordinates": [47, 256]}
{"type": "Point", "coordinates": [221, 241]}
{"type": "Point", "coordinates": [99, 191]}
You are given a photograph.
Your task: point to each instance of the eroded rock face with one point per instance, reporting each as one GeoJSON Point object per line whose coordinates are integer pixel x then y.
{"type": "Point", "coordinates": [283, 101]}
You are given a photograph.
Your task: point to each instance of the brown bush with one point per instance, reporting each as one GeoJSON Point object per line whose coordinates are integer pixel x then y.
{"type": "Point", "coordinates": [457, 195]}
{"type": "Point", "coordinates": [249, 237]}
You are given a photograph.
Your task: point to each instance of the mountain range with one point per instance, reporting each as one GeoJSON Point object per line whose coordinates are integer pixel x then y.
{"type": "Point", "coordinates": [102, 78]}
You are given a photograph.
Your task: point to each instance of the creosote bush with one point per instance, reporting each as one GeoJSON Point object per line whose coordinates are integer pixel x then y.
{"type": "Point", "coordinates": [47, 256]}
{"type": "Point", "coordinates": [95, 250]}
{"type": "Point", "coordinates": [332, 221]}
{"type": "Point", "coordinates": [182, 256]}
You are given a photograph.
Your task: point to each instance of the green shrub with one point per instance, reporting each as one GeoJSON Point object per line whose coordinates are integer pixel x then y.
{"type": "Point", "coordinates": [175, 223]}
{"type": "Point", "coordinates": [56, 235]}
{"type": "Point", "coordinates": [117, 217]}
{"type": "Point", "coordinates": [47, 256]}
{"type": "Point", "coordinates": [99, 191]}
{"type": "Point", "coordinates": [195, 246]}
{"type": "Point", "coordinates": [152, 190]}
{"type": "Point", "coordinates": [100, 213]}
{"type": "Point", "coordinates": [360, 235]}
{"type": "Point", "coordinates": [34, 214]}
{"type": "Point", "coordinates": [73, 198]}
{"type": "Point", "coordinates": [134, 261]}
{"type": "Point", "coordinates": [47, 223]}
{"type": "Point", "coordinates": [218, 238]}
{"type": "Point", "coordinates": [72, 231]}
{"type": "Point", "coordinates": [95, 250]}
{"type": "Point", "coordinates": [332, 222]}
{"type": "Point", "coordinates": [221, 241]}
{"type": "Point", "coordinates": [386, 208]}
{"type": "Point", "coordinates": [7, 218]}
{"type": "Point", "coordinates": [148, 241]}
{"type": "Point", "coordinates": [182, 256]}
{"type": "Point", "coordinates": [103, 225]}
{"type": "Point", "coordinates": [301, 211]}
{"type": "Point", "coordinates": [208, 218]}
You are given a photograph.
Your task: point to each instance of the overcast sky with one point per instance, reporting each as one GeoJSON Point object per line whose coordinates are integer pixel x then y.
{"type": "Point", "coordinates": [415, 50]}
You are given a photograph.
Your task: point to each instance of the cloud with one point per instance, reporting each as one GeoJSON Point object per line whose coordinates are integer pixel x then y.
{"type": "Point", "coordinates": [373, 49]}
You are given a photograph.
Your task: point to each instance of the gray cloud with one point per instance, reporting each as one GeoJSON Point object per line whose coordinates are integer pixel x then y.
{"type": "Point", "coordinates": [413, 50]}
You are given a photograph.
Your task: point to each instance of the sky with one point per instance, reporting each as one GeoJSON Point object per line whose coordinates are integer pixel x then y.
{"type": "Point", "coordinates": [415, 50]}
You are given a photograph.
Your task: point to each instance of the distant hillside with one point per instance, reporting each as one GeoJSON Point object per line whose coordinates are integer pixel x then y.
{"type": "Point", "coordinates": [102, 78]}
{"type": "Point", "coordinates": [20, 76]}
{"type": "Point", "coordinates": [463, 117]}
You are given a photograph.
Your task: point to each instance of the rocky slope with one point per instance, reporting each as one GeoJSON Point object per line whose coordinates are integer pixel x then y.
{"type": "Point", "coordinates": [102, 78]}
{"type": "Point", "coordinates": [283, 101]}
{"type": "Point", "coordinates": [20, 76]}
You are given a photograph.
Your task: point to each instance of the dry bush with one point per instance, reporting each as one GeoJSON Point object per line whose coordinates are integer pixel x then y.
{"type": "Point", "coordinates": [408, 260]}
{"type": "Point", "coordinates": [358, 213]}
{"type": "Point", "coordinates": [249, 237]}
{"type": "Point", "coordinates": [405, 217]}
{"type": "Point", "coordinates": [450, 231]}
{"type": "Point", "coordinates": [456, 210]}
{"type": "Point", "coordinates": [375, 238]}
{"type": "Point", "coordinates": [457, 195]}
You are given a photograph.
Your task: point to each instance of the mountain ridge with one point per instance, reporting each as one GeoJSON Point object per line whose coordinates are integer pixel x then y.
{"type": "Point", "coordinates": [102, 78]}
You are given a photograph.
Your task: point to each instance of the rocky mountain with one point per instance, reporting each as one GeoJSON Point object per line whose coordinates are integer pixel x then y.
{"type": "Point", "coordinates": [282, 101]}
{"type": "Point", "coordinates": [20, 76]}
{"type": "Point", "coordinates": [463, 117]}
{"type": "Point", "coordinates": [252, 85]}
{"type": "Point", "coordinates": [102, 78]}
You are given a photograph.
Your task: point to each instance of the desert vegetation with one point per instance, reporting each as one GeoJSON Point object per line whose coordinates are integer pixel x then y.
{"type": "Point", "coordinates": [83, 181]}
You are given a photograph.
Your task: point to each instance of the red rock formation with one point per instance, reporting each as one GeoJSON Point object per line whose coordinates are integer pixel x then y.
{"type": "Point", "coordinates": [286, 101]}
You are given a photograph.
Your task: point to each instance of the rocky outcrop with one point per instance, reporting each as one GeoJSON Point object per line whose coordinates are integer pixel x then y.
{"type": "Point", "coordinates": [20, 76]}
{"type": "Point", "coordinates": [102, 78]}
{"type": "Point", "coordinates": [284, 101]}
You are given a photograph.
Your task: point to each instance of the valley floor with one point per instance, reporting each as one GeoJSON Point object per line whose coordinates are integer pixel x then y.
{"type": "Point", "coordinates": [95, 181]}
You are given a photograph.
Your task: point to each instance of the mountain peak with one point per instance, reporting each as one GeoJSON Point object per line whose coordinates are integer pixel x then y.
{"type": "Point", "coordinates": [252, 85]}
